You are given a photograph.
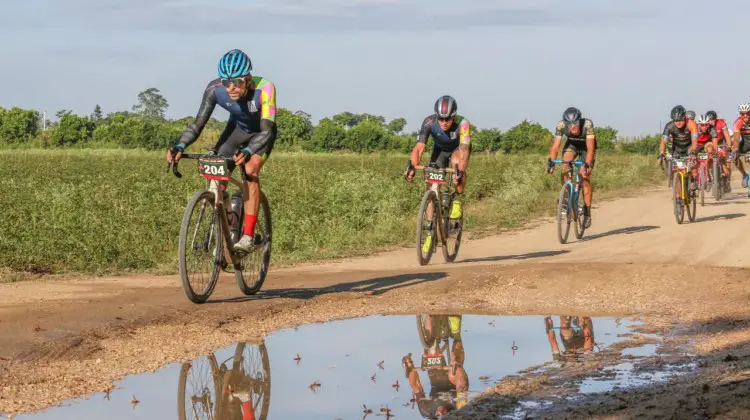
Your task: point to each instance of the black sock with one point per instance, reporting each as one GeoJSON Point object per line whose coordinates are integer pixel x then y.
{"type": "Point", "coordinates": [586, 210]}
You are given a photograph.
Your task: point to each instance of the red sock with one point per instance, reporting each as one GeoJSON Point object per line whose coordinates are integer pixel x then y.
{"type": "Point", "coordinates": [249, 227]}
{"type": "Point", "coordinates": [247, 411]}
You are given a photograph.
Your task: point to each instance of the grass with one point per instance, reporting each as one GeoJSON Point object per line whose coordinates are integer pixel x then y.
{"type": "Point", "coordinates": [117, 211]}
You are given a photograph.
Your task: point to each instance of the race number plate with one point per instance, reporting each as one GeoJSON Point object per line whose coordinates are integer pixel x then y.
{"type": "Point", "coordinates": [434, 177]}
{"type": "Point", "coordinates": [679, 164]}
{"type": "Point", "coordinates": [213, 168]}
{"type": "Point", "coordinates": [431, 361]}
{"type": "Point", "coordinates": [703, 156]}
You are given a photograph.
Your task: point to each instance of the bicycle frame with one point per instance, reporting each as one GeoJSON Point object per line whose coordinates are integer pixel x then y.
{"type": "Point", "coordinates": [681, 168]}
{"type": "Point", "coordinates": [575, 188]}
{"type": "Point", "coordinates": [217, 187]}
{"type": "Point", "coordinates": [436, 186]}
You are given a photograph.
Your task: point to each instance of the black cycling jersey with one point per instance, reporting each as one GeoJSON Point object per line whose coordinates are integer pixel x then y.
{"type": "Point", "coordinates": [682, 138]}
{"type": "Point", "coordinates": [448, 141]}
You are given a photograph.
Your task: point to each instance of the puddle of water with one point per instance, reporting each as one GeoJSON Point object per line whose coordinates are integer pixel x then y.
{"type": "Point", "coordinates": [339, 371]}
{"type": "Point", "coordinates": [625, 377]}
{"type": "Point", "coordinates": [642, 351]}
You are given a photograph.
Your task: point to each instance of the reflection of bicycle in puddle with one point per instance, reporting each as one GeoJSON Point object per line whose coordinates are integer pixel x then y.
{"type": "Point", "coordinates": [213, 391]}
{"type": "Point", "coordinates": [576, 334]}
{"type": "Point", "coordinates": [444, 364]}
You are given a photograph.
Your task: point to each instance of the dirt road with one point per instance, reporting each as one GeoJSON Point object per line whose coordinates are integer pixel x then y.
{"type": "Point", "coordinates": [66, 338]}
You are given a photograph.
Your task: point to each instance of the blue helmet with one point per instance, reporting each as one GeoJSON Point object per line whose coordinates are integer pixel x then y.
{"type": "Point", "coordinates": [233, 64]}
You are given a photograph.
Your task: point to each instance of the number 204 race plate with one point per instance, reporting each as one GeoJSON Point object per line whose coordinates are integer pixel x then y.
{"type": "Point", "coordinates": [215, 168]}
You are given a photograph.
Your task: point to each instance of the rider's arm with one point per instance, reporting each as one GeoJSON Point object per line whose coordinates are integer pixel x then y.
{"type": "Point", "coordinates": [555, 147]}
{"type": "Point", "coordinates": [267, 118]}
{"type": "Point", "coordinates": [464, 130]}
{"type": "Point", "coordinates": [715, 139]}
{"type": "Point", "coordinates": [664, 140]}
{"type": "Point", "coordinates": [737, 129]}
{"type": "Point", "coordinates": [208, 103]}
{"type": "Point", "coordinates": [588, 128]}
{"type": "Point", "coordinates": [424, 134]}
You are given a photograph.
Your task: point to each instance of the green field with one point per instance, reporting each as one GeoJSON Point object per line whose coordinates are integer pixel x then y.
{"type": "Point", "coordinates": [115, 211]}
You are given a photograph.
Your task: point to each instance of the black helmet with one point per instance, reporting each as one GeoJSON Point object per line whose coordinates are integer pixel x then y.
{"type": "Point", "coordinates": [446, 107]}
{"type": "Point", "coordinates": [678, 113]}
{"type": "Point", "coordinates": [690, 115]}
{"type": "Point", "coordinates": [572, 116]}
{"type": "Point", "coordinates": [712, 115]}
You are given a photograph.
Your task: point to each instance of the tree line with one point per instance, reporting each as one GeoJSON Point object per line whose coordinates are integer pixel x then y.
{"type": "Point", "coordinates": [146, 127]}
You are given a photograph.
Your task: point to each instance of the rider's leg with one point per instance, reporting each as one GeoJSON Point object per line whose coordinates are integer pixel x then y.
{"type": "Point", "coordinates": [251, 193]}
{"type": "Point", "coordinates": [456, 157]}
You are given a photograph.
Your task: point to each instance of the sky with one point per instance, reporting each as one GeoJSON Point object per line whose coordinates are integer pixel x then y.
{"type": "Point", "coordinates": [623, 63]}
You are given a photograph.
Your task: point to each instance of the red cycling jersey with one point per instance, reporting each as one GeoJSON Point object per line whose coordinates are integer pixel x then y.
{"type": "Point", "coordinates": [742, 128]}
{"type": "Point", "coordinates": [704, 138]}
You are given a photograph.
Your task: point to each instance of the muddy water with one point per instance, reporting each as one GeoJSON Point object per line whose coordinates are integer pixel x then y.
{"type": "Point", "coordinates": [346, 368]}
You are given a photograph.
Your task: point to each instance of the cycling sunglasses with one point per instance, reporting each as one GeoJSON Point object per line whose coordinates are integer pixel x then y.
{"type": "Point", "coordinates": [237, 81]}
{"type": "Point", "coordinates": [704, 127]}
{"type": "Point", "coordinates": [445, 119]}
{"type": "Point", "coordinates": [744, 114]}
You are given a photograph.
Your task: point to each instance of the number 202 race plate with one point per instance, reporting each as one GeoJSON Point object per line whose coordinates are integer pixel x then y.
{"type": "Point", "coordinates": [213, 168]}
{"type": "Point", "coordinates": [434, 177]}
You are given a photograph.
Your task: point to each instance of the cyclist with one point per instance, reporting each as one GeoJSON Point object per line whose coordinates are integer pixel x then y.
{"type": "Point", "coordinates": [449, 385]}
{"type": "Point", "coordinates": [249, 134]}
{"type": "Point", "coordinates": [707, 140]}
{"type": "Point", "coordinates": [452, 135]}
{"type": "Point", "coordinates": [684, 139]}
{"type": "Point", "coordinates": [576, 333]}
{"type": "Point", "coordinates": [581, 141]}
{"type": "Point", "coordinates": [724, 139]}
{"type": "Point", "coordinates": [741, 143]}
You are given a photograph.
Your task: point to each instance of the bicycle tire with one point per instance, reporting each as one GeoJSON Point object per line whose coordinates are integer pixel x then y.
{"type": "Point", "coordinates": [718, 184]}
{"type": "Point", "coordinates": [690, 202]}
{"type": "Point", "coordinates": [579, 227]}
{"type": "Point", "coordinates": [206, 200]}
{"type": "Point", "coordinates": [679, 211]}
{"type": "Point", "coordinates": [264, 219]}
{"type": "Point", "coordinates": [563, 206]}
{"type": "Point", "coordinates": [182, 385]}
{"type": "Point", "coordinates": [703, 184]}
{"type": "Point", "coordinates": [426, 341]}
{"type": "Point", "coordinates": [428, 197]}
{"type": "Point", "coordinates": [670, 178]}
{"type": "Point", "coordinates": [449, 255]}
{"type": "Point", "coordinates": [239, 356]}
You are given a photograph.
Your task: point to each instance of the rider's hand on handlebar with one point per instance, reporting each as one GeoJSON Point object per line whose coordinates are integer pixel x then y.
{"type": "Point", "coordinates": [242, 156]}
{"type": "Point", "coordinates": [550, 166]}
{"type": "Point", "coordinates": [410, 175]}
{"type": "Point", "coordinates": [660, 158]}
{"type": "Point", "coordinates": [174, 154]}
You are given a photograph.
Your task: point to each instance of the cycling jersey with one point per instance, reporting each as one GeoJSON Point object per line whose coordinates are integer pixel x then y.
{"type": "Point", "coordinates": [704, 138]}
{"type": "Point", "coordinates": [447, 141]}
{"type": "Point", "coordinates": [744, 129]}
{"type": "Point", "coordinates": [255, 112]}
{"type": "Point", "coordinates": [681, 137]}
{"type": "Point", "coordinates": [576, 143]}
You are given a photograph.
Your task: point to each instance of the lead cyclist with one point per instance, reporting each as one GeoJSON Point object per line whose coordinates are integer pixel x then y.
{"type": "Point", "coordinates": [249, 135]}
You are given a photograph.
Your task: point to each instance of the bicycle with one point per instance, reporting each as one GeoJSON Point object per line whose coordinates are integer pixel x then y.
{"type": "Point", "coordinates": [680, 189]}
{"type": "Point", "coordinates": [249, 376]}
{"type": "Point", "coordinates": [434, 215]}
{"type": "Point", "coordinates": [704, 181]}
{"type": "Point", "coordinates": [435, 339]}
{"type": "Point", "coordinates": [721, 181]}
{"type": "Point", "coordinates": [218, 233]}
{"type": "Point", "coordinates": [570, 199]}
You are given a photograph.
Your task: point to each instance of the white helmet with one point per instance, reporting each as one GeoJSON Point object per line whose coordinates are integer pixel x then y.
{"type": "Point", "coordinates": [744, 107]}
{"type": "Point", "coordinates": [702, 119]}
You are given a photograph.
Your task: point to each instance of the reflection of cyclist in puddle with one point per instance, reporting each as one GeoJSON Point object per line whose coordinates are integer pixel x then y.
{"type": "Point", "coordinates": [448, 380]}
{"type": "Point", "coordinates": [576, 334]}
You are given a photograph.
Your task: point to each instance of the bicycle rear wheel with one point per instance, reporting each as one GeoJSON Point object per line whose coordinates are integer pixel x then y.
{"type": "Point", "coordinates": [427, 227]}
{"type": "Point", "coordinates": [563, 213]}
{"type": "Point", "coordinates": [201, 248]}
{"type": "Point", "coordinates": [453, 230]}
{"type": "Point", "coordinates": [251, 272]}
{"type": "Point", "coordinates": [679, 208]}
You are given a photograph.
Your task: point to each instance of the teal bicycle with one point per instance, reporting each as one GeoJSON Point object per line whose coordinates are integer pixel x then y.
{"type": "Point", "coordinates": [569, 205]}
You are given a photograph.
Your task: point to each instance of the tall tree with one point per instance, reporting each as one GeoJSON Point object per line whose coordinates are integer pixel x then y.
{"type": "Point", "coordinates": [396, 125]}
{"type": "Point", "coordinates": [151, 104]}
{"type": "Point", "coordinates": [97, 115]}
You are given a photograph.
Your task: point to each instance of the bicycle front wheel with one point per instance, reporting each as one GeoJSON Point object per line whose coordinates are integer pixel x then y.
{"type": "Point", "coordinates": [453, 229]}
{"type": "Point", "coordinates": [679, 208]}
{"type": "Point", "coordinates": [718, 184]}
{"type": "Point", "coordinates": [691, 202]}
{"type": "Point", "coordinates": [253, 267]}
{"type": "Point", "coordinates": [564, 216]}
{"type": "Point", "coordinates": [427, 227]}
{"type": "Point", "coordinates": [200, 249]}
{"type": "Point", "coordinates": [703, 184]}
